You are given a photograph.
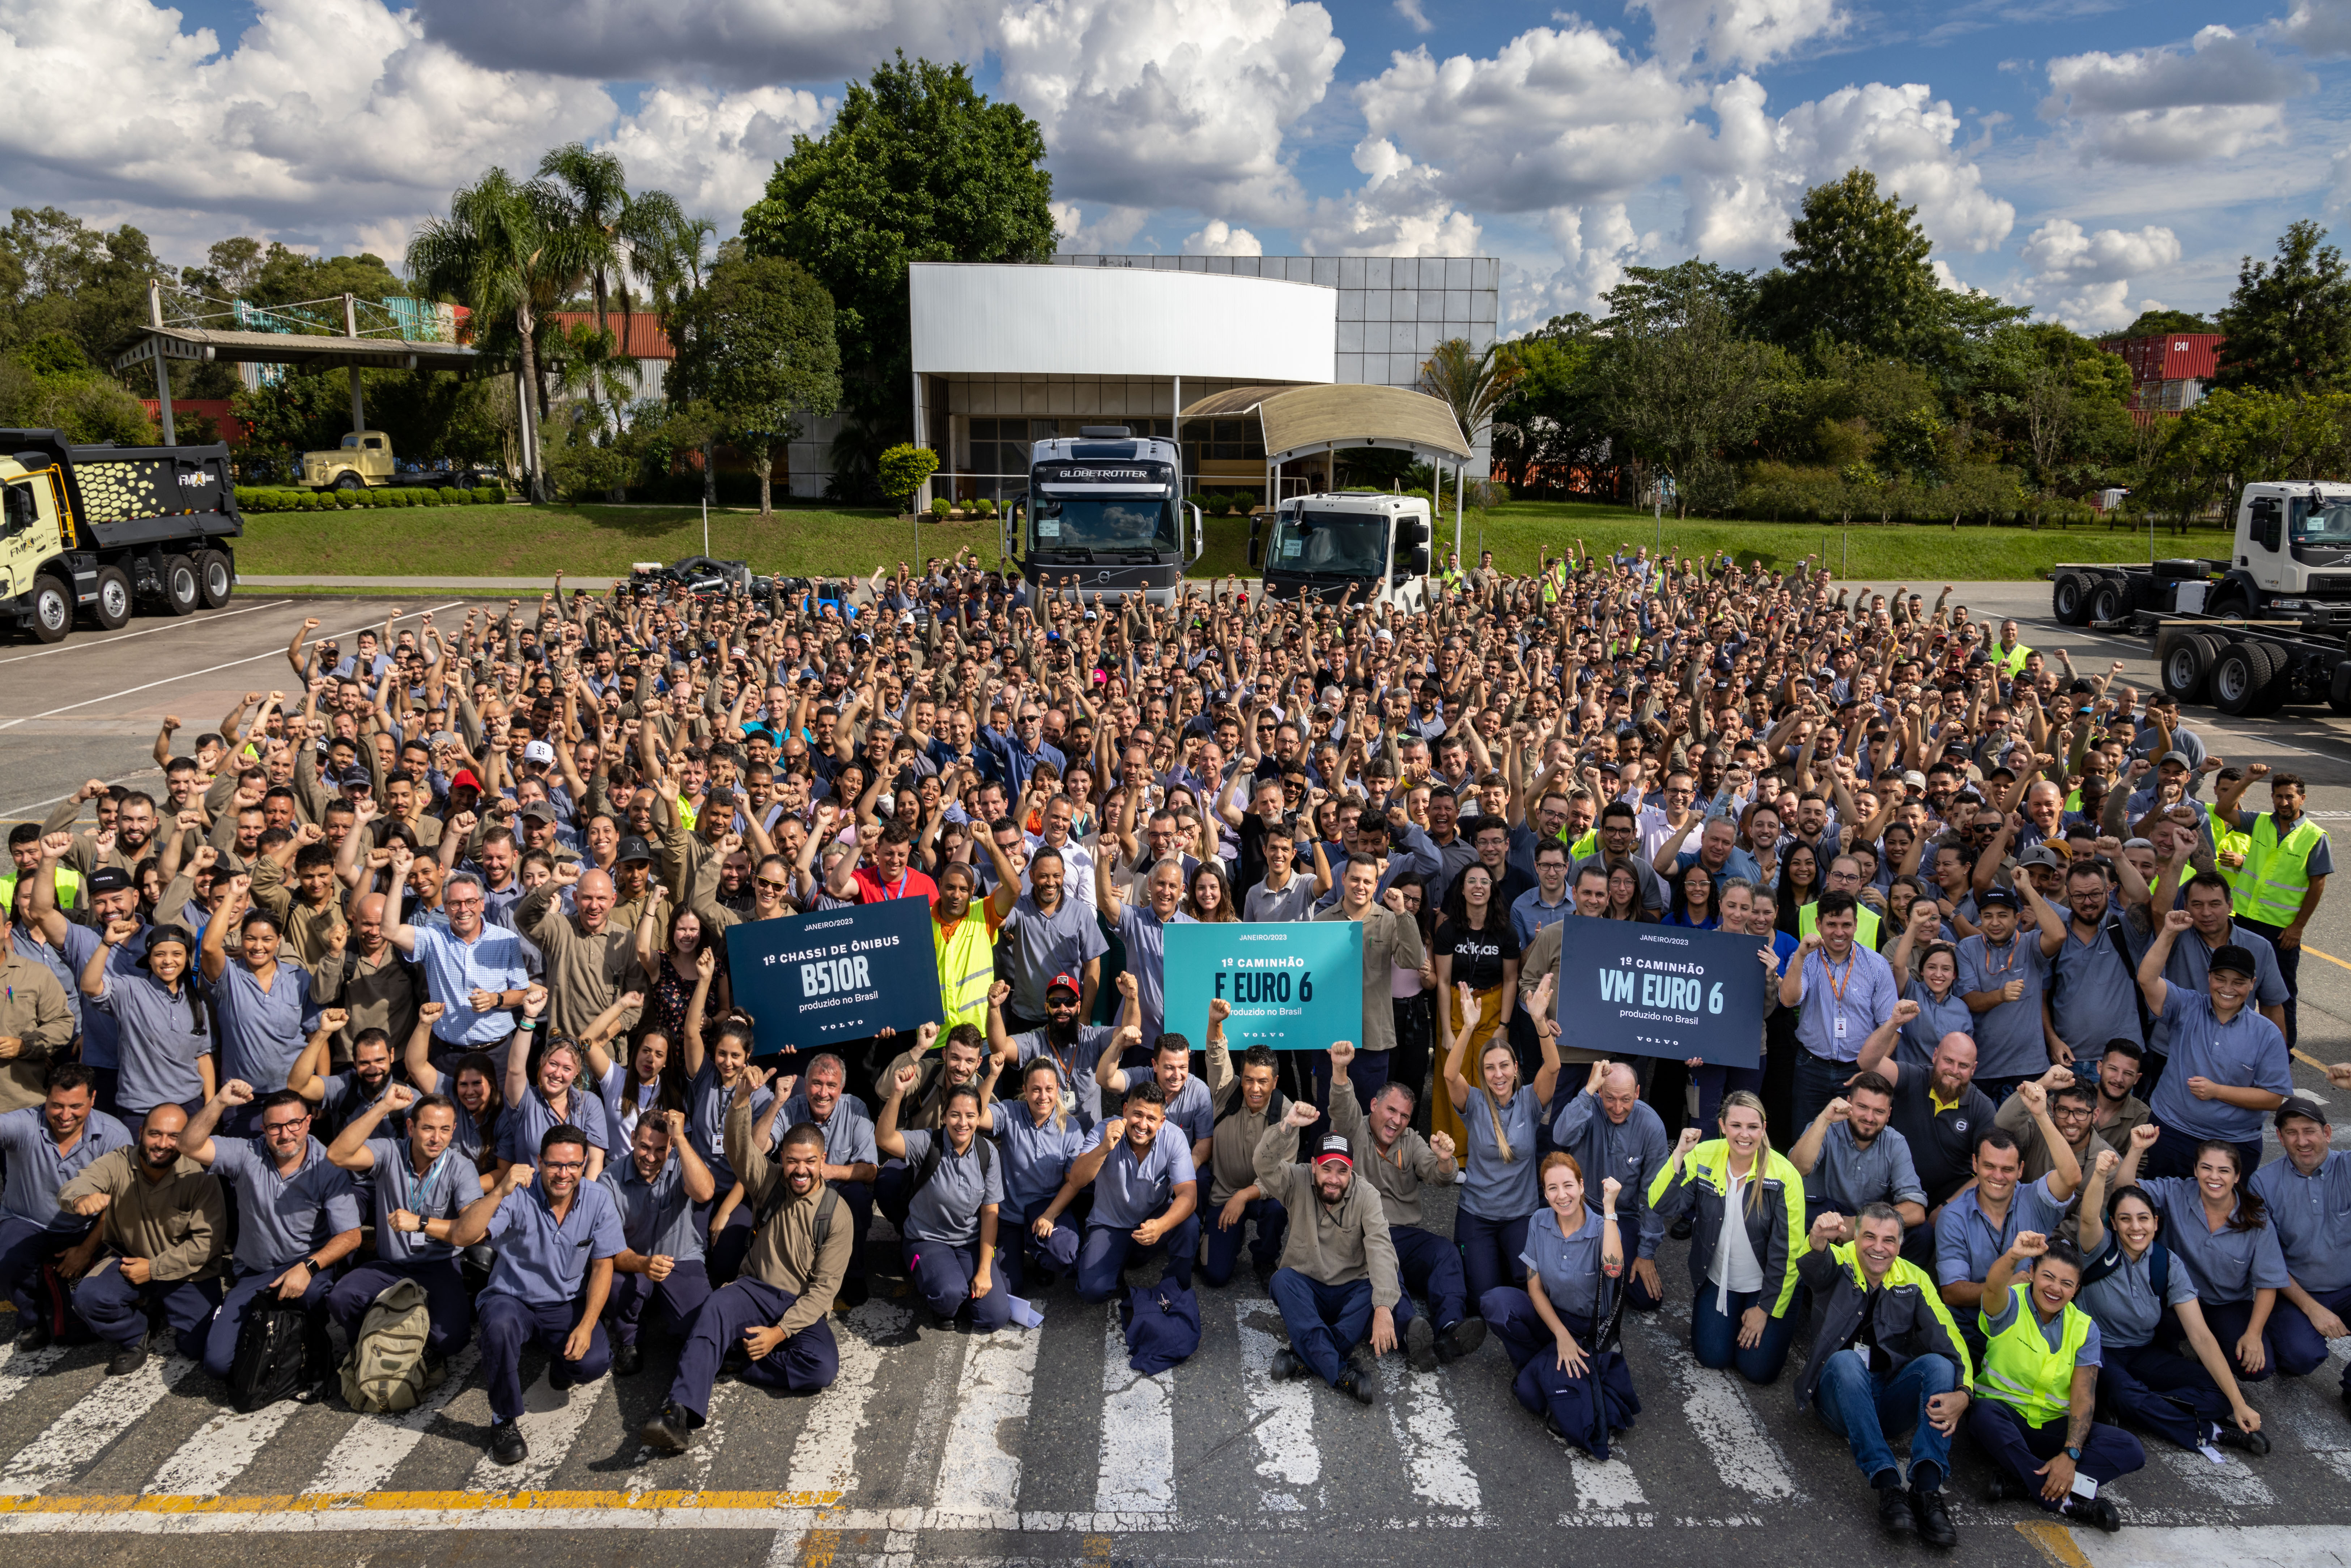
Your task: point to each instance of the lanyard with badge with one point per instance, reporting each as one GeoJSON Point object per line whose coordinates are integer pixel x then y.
{"type": "Point", "coordinates": [1068, 1069]}
{"type": "Point", "coordinates": [1837, 988]}
{"type": "Point", "coordinates": [413, 1186]}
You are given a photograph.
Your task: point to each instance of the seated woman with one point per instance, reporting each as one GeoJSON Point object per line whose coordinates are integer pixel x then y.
{"type": "Point", "coordinates": [954, 1186]}
{"type": "Point", "coordinates": [2129, 1283]}
{"type": "Point", "coordinates": [2220, 1230]}
{"type": "Point", "coordinates": [1747, 1203]}
{"type": "Point", "coordinates": [1500, 1195]}
{"type": "Point", "coordinates": [1553, 1328]}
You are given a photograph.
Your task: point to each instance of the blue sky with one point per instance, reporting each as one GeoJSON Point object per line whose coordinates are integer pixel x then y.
{"type": "Point", "coordinates": [2087, 158]}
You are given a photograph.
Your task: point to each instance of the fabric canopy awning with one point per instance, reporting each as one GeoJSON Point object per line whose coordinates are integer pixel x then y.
{"type": "Point", "coordinates": [1298, 421]}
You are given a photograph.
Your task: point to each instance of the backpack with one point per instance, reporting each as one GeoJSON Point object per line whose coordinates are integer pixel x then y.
{"type": "Point", "coordinates": [2110, 1257]}
{"type": "Point", "coordinates": [385, 1372]}
{"type": "Point", "coordinates": [777, 1192]}
{"type": "Point", "coordinates": [1163, 1325]}
{"type": "Point", "coordinates": [269, 1363]}
{"type": "Point", "coordinates": [937, 1152]}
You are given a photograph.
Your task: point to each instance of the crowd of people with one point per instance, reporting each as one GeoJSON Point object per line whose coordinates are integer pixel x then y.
{"type": "Point", "coordinates": [413, 977]}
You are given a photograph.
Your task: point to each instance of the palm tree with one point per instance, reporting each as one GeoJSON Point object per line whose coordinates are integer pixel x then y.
{"type": "Point", "coordinates": [1473, 384]}
{"type": "Point", "coordinates": [672, 253]}
{"type": "Point", "coordinates": [506, 252]}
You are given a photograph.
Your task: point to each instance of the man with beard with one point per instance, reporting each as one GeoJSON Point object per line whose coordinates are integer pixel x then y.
{"type": "Point", "coordinates": [42, 1147]}
{"type": "Point", "coordinates": [1145, 1189]}
{"type": "Point", "coordinates": [1245, 1104]}
{"type": "Point", "coordinates": [658, 1189]}
{"type": "Point", "coordinates": [1400, 1165]}
{"type": "Point", "coordinates": [165, 1229]}
{"type": "Point", "coordinates": [776, 1309]}
{"type": "Point", "coordinates": [338, 1097]}
{"type": "Point", "coordinates": [113, 897]}
{"type": "Point", "coordinates": [421, 1187]}
{"type": "Point", "coordinates": [298, 1216]}
{"type": "Point", "coordinates": [556, 1238]}
{"type": "Point", "coordinates": [1337, 1283]}
{"type": "Point", "coordinates": [852, 1163]}
{"type": "Point", "coordinates": [1074, 1048]}
{"type": "Point", "coordinates": [1850, 1159]}
{"type": "Point", "coordinates": [966, 946]}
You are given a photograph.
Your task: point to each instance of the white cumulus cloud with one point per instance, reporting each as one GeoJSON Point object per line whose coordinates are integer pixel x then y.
{"type": "Point", "coordinates": [1218, 237]}
{"type": "Point", "coordinates": [1398, 210]}
{"type": "Point", "coordinates": [2083, 278]}
{"type": "Point", "coordinates": [1738, 33]}
{"type": "Point", "coordinates": [2220, 95]}
{"type": "Point", "coordinates": [2318, 27]}
{"type": "Point", "coordinates": [1170, 103]}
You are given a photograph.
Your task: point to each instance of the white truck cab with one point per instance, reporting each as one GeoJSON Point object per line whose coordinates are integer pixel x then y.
{"type": "Point", "coordinates": [1321, 545]}
{"type": "Point", "coordinates": [2292, 551]}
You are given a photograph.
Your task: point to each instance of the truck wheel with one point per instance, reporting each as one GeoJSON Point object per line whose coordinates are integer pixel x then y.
{"type": "Point", "coordinates": [2338, 692]}
{"type": "Point", "coordinates": [2231, 601]}
{"type": "Point", "coordinates": [2278, 690]}
{"type": "Point", "coordinates": [2240, 676]}
{"type": "Point", "coordinates": [2069, 601]}
{"type": "Point", "coordinates": [112, 608]}
{"type": "Point", "coordinates": [215, 579]}
{"type": "Point", "coordinates": [53, 609]}
{"type": "Point", "coordinates": [2186, 666]}
{"type": "Point", "coordinates": [347, 480]}
{"type": "Point", "coordinates": [2106, 603]}
{"type": "Point", "coordinates": [183, 589]}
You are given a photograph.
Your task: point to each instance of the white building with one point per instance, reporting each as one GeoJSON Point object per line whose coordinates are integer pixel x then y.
{"type": "Point", "coordinates": [1008, 354]}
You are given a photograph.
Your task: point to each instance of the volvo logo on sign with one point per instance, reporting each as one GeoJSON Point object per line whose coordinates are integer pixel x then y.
{"type": "Point", "coordinates": [1102, 577]}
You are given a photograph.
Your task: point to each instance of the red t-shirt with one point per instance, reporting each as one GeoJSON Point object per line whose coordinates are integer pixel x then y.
{"type": "Point", "coordinates": [908, 884]}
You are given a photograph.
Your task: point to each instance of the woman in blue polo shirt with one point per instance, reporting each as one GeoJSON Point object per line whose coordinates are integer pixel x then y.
{"type": "Point", "coordinates": [2221, 1229]}
{"type": "Point", "coordinates": [1500, 1194]}
{"type": "Point", "coordinates": [1042, 1139]}
{"type": "Point", "coordinates": [1552, 1328]}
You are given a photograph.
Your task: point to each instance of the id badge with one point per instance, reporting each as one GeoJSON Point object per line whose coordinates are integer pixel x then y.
{"type": "Point", "coordinates": [1861, 1352]}
{"type": "Point", "coordinates": [1840, 1026]}
{"type": "Point", "coordinates": [1068, 1102]}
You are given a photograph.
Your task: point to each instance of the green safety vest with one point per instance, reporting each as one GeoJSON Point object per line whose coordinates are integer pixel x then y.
{"type": "Point", "coordinates": [1452, 577]}
{"type": "Point", "coordinates": [1555, 582]}
{"type": "Point", "coordinates": [966, 969]}
{"type": "Point", "coordinates": [69, 885]}
{"type": "Point", "coordinates": [2014, 659]}
{"type": "Point", "coordinates": [1864, 923]}
{"type": "Point", "coordinates": [2276, 873]}
{"type": "Point", "coordinates": [1582, 849]}
{"type": "Point", "coordinates": [2227, 839]}
{"type": "Point", "coordinates": [2022, 1372]}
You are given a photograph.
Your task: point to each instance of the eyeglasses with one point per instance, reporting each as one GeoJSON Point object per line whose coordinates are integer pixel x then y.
{"type": "Point", "coordinates": [563, 1164]}
{"type": "Point", "coordinates": [771, 884]}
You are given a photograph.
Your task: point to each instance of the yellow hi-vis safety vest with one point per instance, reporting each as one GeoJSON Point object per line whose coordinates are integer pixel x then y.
{"type": "Point", "coordinates": [2022, 1372]}
{"type": "Point", "coordinates": [69, 885]}
{"type": "Point", "coordinates": [966, 959]}
{"type": "Point", "coordinates": [2277, 872]}
{"type": "Point", "coordinates": [2014, 659]}
{"type": "Point", "coordinates": [1864, 923]}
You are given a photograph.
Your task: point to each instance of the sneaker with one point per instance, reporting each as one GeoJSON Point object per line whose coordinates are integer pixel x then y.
{"type": "Point", "coordinates": [1420, 1345]}
{"type": "Point", "coordinates": [506, 1447]}
{"type": "Point", "coordinates": [2100, 1511]}
{"type": "Point", "coordinates": [1934, 1519]}
{"type": "Point", "coordinates": [2255, 1442]}
{"type": "Point", "coordinates": [627, 1361]}
{"type": "Point", "coordinates": [1457, 1339]}
{"type": "Point", "coordinates": [1288, 1364]}
{"type": "Point", "coordinates": [1356, 1383]}
{"type": "Point", "coordinates": [670, 1430]}
{"type": "Point", "coordinates": [1682, 1229]}
{"type": "Point", "coordinates": [2004, 1488]}
{"type": "Point", "coordinates": [33, 1336]}
{"type": "Point", "coordinates": [127, 1359]}
{"type": "Point", "coordinates": [1894, 1511]}
{"type": "Point", "coordinates": [853, 1292]}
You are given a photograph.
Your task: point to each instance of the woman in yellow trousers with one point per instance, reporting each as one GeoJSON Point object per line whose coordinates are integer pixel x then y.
{"type": "Point", "coordinates": [1475, 948]}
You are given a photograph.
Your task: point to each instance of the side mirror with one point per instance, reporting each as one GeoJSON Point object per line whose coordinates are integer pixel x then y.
{"type": "Point", "coordinates": [1200, 531]}
{"type": "Point", "coordinates": [1009, 533]}
{"type": "Point", "coordinates": [1256, 545]}
{"type": "Point", "coordinates": [1420, 560]}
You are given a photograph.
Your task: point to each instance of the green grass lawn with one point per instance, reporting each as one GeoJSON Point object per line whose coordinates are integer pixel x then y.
{"type": "Point", "coordinates": [811, 540]}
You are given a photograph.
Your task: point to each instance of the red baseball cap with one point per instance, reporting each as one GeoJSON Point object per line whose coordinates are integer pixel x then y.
{"type": "Point", "coordinates": [1065, 983]}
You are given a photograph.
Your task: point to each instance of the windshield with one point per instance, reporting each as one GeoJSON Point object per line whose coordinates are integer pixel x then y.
{"type": "Point", "coordinates": [352, 440]}
{"type": "Point", "coordinates": [1341, 544]}
{"type": "Point", "coordinates": [1137, 524]}
{"type": "Point", "coordinates": [2328, 525]}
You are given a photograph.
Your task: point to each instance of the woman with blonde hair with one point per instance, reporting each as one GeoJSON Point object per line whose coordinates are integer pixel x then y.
{"type": "Point", "coordinates": [1747, 1203]}
{"type": "Point", "coordinates": [1552, 1328]}
{"type": "Point", "coordinates": [1499, 1192]}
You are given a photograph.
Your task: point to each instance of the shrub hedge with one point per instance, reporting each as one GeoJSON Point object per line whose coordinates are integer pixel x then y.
{"type": "Point", "coordinates": [267, 498]}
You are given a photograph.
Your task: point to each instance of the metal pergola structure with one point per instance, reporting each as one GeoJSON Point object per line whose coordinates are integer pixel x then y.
{"type": "Point", "coordinates": [373, 336]}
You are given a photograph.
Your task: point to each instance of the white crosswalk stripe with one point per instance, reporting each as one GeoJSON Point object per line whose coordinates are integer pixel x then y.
{"type": "Point", "coordinates": [1744, 1455]}
{"type": "Point", "coordinates": [824, 1459]}
{"type": "Point", "coordinates": [219, 1451]}
{"type": "Point", "coordinates": [364, 1457]}
{"type": "Point", "coordinates": [1281, 1416]}
{"type": "Point", "coordinates": [18, 1368]}
{"type": "Point", "coordinates": [551, 1417]}
{"type": "Point", "coordinates": [2232, 1480]}
{"type": "Point", "coordinates": [1429, 1436]}
{"type": "Point", "coordinates": [980, 1468]}
{"type": "Point", "coordinates": [77, 1438]}
{"type": "Point", "coordinates": [1138, 1432]}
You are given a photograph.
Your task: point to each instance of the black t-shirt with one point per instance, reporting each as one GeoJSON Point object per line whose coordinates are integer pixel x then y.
{"type": "Point", "coordinates": [1942, 1145]}
{"type": "Point", "coordinates": [1479, 955]}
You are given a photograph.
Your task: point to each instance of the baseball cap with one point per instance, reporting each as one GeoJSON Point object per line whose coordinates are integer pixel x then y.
{"type": "Point", "coordinates": [537, 811]}
{"type": "Point", "coordinates": [2001, 898]}
{"type": "Point", "coordinates": [2298, 1106]}
{"type": "Point", "coordinates": [2234, 958]}
{"type": "Point", "coordinates": [107, 879]}
{"type": "Point", "coordinates": [2042, 854]}
{"type": "Point", "coordinates": [1335, 1147]}
{"type": "Point", "coordinates": [1915, 779]}
{"type": "Point", "coordinates": [2179, 756]}
{"type": "Point", "coordinates": [464, 779]}
{"type": "Point", "coordinates": [631, 848]}
{"type": "Point", "coordinates": [1065, 983]}
{"type": "Point", "coordinates": [537, 751]}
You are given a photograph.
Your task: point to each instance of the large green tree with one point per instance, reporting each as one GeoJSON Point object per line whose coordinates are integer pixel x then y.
{"type": "Point", "coordinates": [761, 350]}
{"type": "Point", "coordinates": [1692, 393]}
{"type": "Point", "coordinates": [1856, 272]}
{"type": "Point", "coordinates": [918, 165]}
{"type": "Point", "coordinates": [2289, 319]}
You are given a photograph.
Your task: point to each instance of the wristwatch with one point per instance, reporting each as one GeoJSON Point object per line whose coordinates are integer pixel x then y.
{"type": "Point", "coordinates": [2073, 1454]}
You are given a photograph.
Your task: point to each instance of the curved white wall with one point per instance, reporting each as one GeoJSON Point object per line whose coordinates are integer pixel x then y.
{"type": "Point", "coordinates": [986, 320]}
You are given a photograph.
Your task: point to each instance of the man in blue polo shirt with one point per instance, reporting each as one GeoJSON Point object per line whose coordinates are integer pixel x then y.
{"type": "Point", "coordinates": [556, 1236]}
{"type": "Point", "coordinates": [1977, 1227]}
{"type": "Point", "coordinates": [1611, 1133]}
{"type": "Point", "coordinates": [2308, 1194]}
{"type": "Point", "coordinates": [477, 972]}
{"type": "Point", "coordinates": [657, 1190]}
{"type": "Point", "coordinates": [297, 1217]}
{"type": "Point", "coordinates": [419, 1186]}
{"type": "Point", "coordinates": [1146, 1191]}
{"type": "Point", "coordinates": [42, 1147]}
{"type": "Point", "coordinates": [2229, 1066]}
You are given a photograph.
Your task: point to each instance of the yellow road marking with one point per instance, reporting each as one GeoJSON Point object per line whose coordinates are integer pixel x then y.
{"type": "Point", "coordinates": [435, 1501]}
{"type": "Point", "coordinates": [2055, 1542]}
